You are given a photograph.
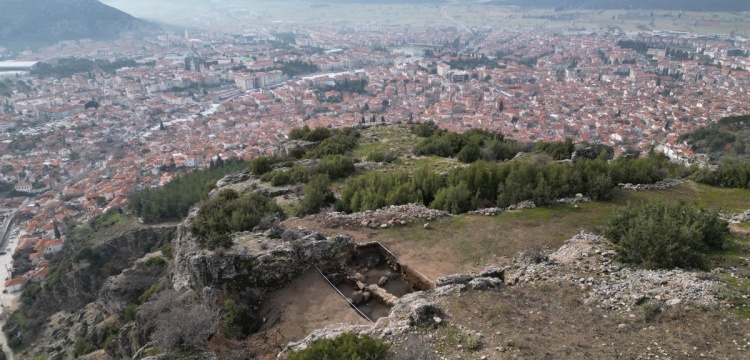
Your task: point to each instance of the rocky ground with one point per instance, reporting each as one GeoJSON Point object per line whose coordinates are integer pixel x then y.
{"type": "Point", "coordinates": [659, 185]}
{"type": "Point", "coordinates": [573, 303]}
{"type": "Point", "coordinates": [381, 218]}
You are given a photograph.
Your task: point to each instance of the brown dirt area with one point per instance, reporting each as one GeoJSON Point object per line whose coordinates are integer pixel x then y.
{"type": "Point", "coordinates": [293, 312]}
{"type": "Point", "coordinates": [549, 321]}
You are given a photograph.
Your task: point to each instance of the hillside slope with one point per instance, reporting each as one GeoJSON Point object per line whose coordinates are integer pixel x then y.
{"type": "Point", "coordinates": [43, 22]}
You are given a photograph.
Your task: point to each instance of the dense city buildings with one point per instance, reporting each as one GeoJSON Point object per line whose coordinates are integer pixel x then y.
{"type": "Point", "coordinates": [81, 142]}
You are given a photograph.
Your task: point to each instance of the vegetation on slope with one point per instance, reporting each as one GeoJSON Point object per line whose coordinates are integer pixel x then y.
{"type": "Point", "coordinates": [230, 212]}
{"type": "Point", "coordinates": [173, 201]}
{"type": "Point", "coordinates": [723, 139]}
{"type": "Point", "coordinates": [345, 346]}
{"type": "Point", "coordinates": [107, 245]}
{"type": "Point", "coordinates": [485, 184]}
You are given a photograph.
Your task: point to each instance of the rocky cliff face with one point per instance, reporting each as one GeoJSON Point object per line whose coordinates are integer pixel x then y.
{"type": "Point", "coordinates": [94, 285]}
{"type": "Point", "coordinates": [261, 261]}
{"type": "Point", "coordinates": [43, 22]}
{"type": "Point", "coordinates": [87, 270]}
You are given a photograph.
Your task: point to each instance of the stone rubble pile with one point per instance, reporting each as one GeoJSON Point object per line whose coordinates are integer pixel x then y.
{"type": "Point", "coordinates": [659, 185]}
{"type": "Point", "coordinates": [587, 260]}
{"type": "Point", "coordinates": [735, 218]}
{"type": "Point", "coordinates": [381, 218]}
{"type": "Point", "coordinates": [528, 204]}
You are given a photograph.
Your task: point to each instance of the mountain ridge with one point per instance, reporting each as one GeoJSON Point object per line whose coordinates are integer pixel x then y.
{"type": "Point", "coordinates": [43, 22]}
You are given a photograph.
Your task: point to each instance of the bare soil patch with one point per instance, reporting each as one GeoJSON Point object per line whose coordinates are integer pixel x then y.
{"type": "Point", "coordinates": [291, 313]}
{"type": "Point", "coordinates": [549, 321]}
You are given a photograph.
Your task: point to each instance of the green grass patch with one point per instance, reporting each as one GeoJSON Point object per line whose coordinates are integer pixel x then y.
{"type": "Point", "coordinates": [477, 239]}
{"type": "Point", "coordinates": [707, 197]}
{"type": "Point", "coordinates": [467, 240]}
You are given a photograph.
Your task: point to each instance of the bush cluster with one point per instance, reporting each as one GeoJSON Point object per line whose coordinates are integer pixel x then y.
{"type": "Point", "coordinates": [485, 184]}
{"type": "Point", "coordinates": [334, 166]}
{"type": "Point", "coordinates": [315, 195]}
{"type": "Point", "coordinates": [468, 146]}
{"type": "Point", "coordinates": [730, 173]}
{"type": "Point", "coordinates": [662, 235]}
{"type": "Point", "coordinates": [557, 150]}
{"type": "Point", "coordinates": [230, 212]}
{"type": "Point", "coordinates": [380, 156]}
{"type": "Point", "coordinates": [345, 346]}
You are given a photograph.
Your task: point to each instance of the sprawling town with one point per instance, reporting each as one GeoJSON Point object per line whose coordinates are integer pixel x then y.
{"type": "Point", "coordinates": [76, 146]}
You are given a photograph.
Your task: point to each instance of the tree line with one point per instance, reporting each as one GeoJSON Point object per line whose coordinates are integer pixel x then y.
{"type": "Point", "coordinates": [173, 200]}
{"type": "Point", "coordinates": [486, 184]}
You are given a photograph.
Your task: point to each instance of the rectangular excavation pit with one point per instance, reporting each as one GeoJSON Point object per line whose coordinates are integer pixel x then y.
{"type": "Point", "coordinates": [372, 278]}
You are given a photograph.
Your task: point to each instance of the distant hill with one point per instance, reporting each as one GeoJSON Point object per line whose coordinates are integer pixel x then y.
{"type": "Point", "coordinates": [25, 23]}
{"type": "Point", "coordinates": [687, 5]}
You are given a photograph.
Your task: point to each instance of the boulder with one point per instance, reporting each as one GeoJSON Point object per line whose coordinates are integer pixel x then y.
{"type": "Point", "coordinates": [358, 277]}
{"type": "Point", "coordinates": [454, 279]}
{"type": "Point", "coordinates": [493, 272]}
{"type": "Point", "coordinates": [425, 313]}
{"type": "Point", "coordinates": [358, 297]}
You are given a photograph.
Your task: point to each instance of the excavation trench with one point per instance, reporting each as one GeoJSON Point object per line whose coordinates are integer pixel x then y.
{"type": "Point", "coordinates": [371, 279]}
{"type": "Point", "coordinates": [316, 298]}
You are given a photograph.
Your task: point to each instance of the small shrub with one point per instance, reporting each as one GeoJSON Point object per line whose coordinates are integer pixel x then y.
{"type": "Point", "coordinates": [148, 293]}
{"type": "Point", "coordinates": [316, 195]}
{"type": "Point", "coordinates": [376, 156]}
{"type": "Point", "coordinates": [128, 314]}
{"type": "Point", "coordinates": [230, 212]}
{"type": "Point", "coordinates": [155, 261]}
{"type": "Point", "coordinates": [650, 311]}
{"type": "Point", "coordinates": [346, 346]}
{"type": "Point", "coordinates": [336, 166]}
{"type": "Point", "coordinates": [662, 235]}
{"type": "Point", "coordinates": [389, 157]}
{"type": "Point", "coordinates": [473, 343]}
{"type": "Point", "coordinates": [469, 153]}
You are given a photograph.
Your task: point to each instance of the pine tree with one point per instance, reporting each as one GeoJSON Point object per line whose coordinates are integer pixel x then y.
{"type": "Point", "coordinates": [501, 107]}
{"type": "Point", "coordinates": [57, 231]}
{"type": "Point", "coordinates": [161, 125]}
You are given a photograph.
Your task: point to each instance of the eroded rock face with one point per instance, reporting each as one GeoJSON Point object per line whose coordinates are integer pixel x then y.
{"type": "Point", "coordinates": [124, 289]}
{"type": "Point", "coordinates": [263, 270]}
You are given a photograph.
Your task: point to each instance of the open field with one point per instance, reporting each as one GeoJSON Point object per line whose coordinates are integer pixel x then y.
{"type": "Point", "coordinates": [467, 243]}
